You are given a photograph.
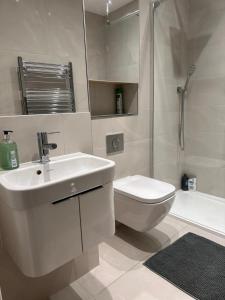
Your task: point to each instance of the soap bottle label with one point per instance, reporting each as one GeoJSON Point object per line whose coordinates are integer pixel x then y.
{"type": "Point", "coordinates": [13, 159]}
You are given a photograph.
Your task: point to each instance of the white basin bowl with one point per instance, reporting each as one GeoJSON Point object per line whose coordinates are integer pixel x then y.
{"type": "Point", "coordinates": [64, 176]}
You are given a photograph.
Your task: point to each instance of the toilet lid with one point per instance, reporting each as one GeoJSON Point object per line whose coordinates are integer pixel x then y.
{"type": "Point", "coordinates": [144, 189]}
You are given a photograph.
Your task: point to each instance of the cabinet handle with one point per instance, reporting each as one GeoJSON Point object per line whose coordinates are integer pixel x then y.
{"type": "Point", "coordinates": [78, 194]}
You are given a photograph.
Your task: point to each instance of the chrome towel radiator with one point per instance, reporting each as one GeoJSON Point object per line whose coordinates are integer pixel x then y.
{"type": "Point", "coordinates": [46, 88]}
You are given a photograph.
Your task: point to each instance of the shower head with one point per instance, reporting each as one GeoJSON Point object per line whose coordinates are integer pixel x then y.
{"type": "Point", "coordinates": [191, 70]}
{"type": "Point", "coordinates": [157, 3]}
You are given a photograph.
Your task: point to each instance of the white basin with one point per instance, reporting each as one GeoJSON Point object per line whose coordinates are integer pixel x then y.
{"type": "Point", "coordinates": [64, 176]}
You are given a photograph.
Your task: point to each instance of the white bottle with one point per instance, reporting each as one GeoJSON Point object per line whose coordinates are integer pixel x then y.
{"type": "Point", "coordinates": [192, 184]}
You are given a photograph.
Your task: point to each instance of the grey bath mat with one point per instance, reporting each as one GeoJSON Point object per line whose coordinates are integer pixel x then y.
{"type": "Point", "coordinates": [193, 264]}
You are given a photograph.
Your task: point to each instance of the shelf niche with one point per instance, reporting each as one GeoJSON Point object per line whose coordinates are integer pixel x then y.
{"type": "Point", "coordinates": [103, 99]}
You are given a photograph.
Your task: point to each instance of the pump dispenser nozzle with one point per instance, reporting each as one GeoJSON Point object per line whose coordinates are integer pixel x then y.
{"type": "Point", "coordinates": [7, 131]}
{"type": "Point", "coordinates": [6, 134]}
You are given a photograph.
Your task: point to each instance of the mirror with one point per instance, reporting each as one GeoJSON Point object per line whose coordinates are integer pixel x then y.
{"type": "Point", "coordinates": [112, 40]}
{"type": "Point", "coordinates": [47, 36]}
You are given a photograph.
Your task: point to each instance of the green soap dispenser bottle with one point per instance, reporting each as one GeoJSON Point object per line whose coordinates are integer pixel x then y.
{"type": "Point", "coordinates": [9, 159]}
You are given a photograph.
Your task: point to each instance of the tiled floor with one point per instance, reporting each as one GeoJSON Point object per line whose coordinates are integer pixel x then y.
{"type": "Point", "coordinates": [121, 274]}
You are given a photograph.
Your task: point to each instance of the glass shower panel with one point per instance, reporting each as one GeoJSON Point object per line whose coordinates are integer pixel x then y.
{"type": "Point", "coordinates": [205, 103]}
{"type": "Point", "coordinates": [187, 33]}
{"type": "Point", "coordinates": [170, 60]}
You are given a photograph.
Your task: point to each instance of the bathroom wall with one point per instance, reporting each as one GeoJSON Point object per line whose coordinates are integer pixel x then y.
{"type": "Point", "coordinates": [96, 45]}
{"type": "Point", "coordinates": [69, 138]}
{"type": "Point", "coordinates": [136, 157]}
{"type": "Point", "coordinates": [122, 45]}
{"type": "Point", "coordinates": [113, 50]}
{"type": "Point", "coordinates": [43, 31]}
{"type": "Point", "coordinates": [50, 31]}
{"type": "Point", "coordinates": [171, 26]}
{"type": "Point", "coordinates": [205, 105]}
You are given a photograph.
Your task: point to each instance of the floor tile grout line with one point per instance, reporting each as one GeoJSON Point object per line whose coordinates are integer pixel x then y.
{"type": "Point", "coordinates": [137, 263]}
{"type": "Point", "coordinates": [110, 283]}
{"type": "Point", "coordinates": [128, 270]}
{"type": "Point", "coordinates": [86, 291]}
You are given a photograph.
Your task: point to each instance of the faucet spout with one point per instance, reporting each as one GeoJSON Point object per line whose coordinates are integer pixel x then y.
{"type": "Point", "coordinates": [51, 146]}
{"type": "Point", "coordinates": [44, 147]}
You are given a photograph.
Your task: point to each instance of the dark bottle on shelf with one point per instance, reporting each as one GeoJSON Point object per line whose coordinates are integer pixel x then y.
{"type": "Point", "coordinates": [119, 100]}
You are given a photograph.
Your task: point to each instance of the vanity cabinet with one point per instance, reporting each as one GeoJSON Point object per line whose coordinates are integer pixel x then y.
{"type": "Point", "coordinates": [46, 236]}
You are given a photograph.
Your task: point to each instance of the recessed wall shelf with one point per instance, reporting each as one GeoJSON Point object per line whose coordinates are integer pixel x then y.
{"type": "Point", "coordinates": [111, 81]}
{"type": "Point", "coordinates": [102, 98]}
{"type": "Point", "coordinates": [112, 116]}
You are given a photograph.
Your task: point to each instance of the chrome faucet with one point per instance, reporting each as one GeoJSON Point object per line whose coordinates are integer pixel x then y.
{"type": "Point", "coordinates": [44, 146]}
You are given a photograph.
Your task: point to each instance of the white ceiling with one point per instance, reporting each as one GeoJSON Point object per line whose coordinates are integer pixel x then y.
{"type": "Point", "coordinates": [99, 6]}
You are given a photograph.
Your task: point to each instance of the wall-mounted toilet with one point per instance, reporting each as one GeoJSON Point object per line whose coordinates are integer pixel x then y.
{"type": "Point", "coordinates": [141, 202]}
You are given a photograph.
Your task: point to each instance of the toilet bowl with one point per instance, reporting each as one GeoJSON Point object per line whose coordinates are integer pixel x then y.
{"type": "Point", "coordinates": [141, 202]}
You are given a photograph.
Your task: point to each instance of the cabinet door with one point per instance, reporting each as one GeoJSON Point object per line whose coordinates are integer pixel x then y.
{"type": "Point", "coordinates": [97, 216]}
{"type": "Point", "coordinates": [56, 235]}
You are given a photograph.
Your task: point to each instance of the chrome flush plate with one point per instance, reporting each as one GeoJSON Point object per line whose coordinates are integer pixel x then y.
{"type": "Point", "coordinates": [114, 143]}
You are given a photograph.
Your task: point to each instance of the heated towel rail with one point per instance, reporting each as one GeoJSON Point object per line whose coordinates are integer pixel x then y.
{"type": "Point", "coordinates": [46, 88]}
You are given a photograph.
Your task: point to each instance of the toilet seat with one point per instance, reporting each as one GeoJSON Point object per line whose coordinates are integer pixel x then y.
{"type": "Point", "coordinates": [144, 189]}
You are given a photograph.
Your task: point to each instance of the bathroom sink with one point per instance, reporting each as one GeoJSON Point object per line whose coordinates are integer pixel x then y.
{"type": "Point", "coordinates": [54, 212]}
{"type": "Point", "coordinates": [64, 176]}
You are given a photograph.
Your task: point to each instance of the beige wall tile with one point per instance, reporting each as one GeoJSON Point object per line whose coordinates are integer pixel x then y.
{"type": "Point", "coordinates": [25, 133]}
{"type": "Point", "coordinates": [69, 139]}
{"type": "Point", "coordinates": [134, 160]}
{"type": "Point", "coordinates": [136, 129]}
{"type": "Point", "coordinates": [113, 50]}
{"type": "Point", "coordinates": [76, 130]}
{"type": "Point", "coordinates": [96, 45]}
{"type": "Point", "coordinates": [42, 31]}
